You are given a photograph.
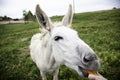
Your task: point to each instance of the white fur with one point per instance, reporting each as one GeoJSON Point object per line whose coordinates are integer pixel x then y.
{"type": "Point", "coordinates": [49, 54]}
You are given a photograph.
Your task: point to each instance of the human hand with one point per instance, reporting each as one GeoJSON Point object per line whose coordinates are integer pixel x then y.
{"type": "Point", "coordinates": [96, 77]}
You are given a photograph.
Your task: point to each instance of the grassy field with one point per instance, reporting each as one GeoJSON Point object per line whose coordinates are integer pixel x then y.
{"type": "Point", "coordinates": [101, 30]}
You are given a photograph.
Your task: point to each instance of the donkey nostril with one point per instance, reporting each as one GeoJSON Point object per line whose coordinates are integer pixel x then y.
{"type": "Point", "coordinates": [89, 58]}
{"type": "Point", "coordinates": [86, 60]}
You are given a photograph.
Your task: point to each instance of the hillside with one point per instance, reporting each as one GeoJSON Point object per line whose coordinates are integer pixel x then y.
{"type": "Point", "coordinates": [101, 30]}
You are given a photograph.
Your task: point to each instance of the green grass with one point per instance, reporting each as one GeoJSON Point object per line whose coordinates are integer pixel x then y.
{"type": "Point", "coordinates": [101, 30]}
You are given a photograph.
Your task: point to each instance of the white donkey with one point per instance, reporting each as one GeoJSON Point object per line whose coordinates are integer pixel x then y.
{"type": "Point", "coordinates": [58, 44]}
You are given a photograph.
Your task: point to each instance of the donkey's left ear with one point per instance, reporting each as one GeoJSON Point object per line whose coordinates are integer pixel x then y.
{"type": "Point", "coordinates": [67, 19]}
{"type": "Point", "coordinates": [43, 19]}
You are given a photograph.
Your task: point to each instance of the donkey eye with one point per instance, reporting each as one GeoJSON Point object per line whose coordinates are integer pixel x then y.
{"type": "Point", "coordinates": [57, 38]}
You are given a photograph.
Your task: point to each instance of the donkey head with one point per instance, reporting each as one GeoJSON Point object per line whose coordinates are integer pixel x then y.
{"type": "Point", "coordinates": [65, 45]}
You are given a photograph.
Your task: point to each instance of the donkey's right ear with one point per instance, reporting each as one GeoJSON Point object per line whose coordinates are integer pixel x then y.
{"type": "Point", "coordinates": [43, 19]}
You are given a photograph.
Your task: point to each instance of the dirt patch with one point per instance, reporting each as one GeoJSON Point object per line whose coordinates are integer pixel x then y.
{"type": "Point", "coordinates": [9, 22]}
{"type": "Point", "coordinates": [25, 50]}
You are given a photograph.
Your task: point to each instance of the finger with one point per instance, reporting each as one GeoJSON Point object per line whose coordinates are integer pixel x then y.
{"type": "Point", "coordinates": [91, 77]}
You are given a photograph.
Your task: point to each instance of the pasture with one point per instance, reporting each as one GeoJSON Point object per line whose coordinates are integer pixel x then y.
{"type": "Point", "coordinates": [101, 30]}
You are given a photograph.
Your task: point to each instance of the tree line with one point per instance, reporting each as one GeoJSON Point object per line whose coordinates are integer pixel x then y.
{"type": "Point", "coordinates": [28, 16]}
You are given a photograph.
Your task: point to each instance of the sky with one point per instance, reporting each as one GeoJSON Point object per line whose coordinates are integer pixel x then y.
{"type": "Point", "coordinates": [14, 8]}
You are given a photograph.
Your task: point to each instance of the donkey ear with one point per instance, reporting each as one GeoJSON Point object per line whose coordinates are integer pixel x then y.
{"type": "Point", "coordinates": [43, 19]}
{"type": "Point", "coordinates": [67, 19]}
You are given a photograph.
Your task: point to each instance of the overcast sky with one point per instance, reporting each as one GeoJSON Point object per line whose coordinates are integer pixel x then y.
{"type": "Point", "coordinates": [14, 8]}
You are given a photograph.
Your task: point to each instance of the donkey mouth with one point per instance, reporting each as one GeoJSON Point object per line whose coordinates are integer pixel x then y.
{"type": "Point", "coordinates": [84, 73]}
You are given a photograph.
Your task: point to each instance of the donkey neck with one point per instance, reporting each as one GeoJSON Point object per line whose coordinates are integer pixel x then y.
{"type": "Point", "coordinates": [47, 51]}
{"type": "Point", "coordinates": [46, 44]}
